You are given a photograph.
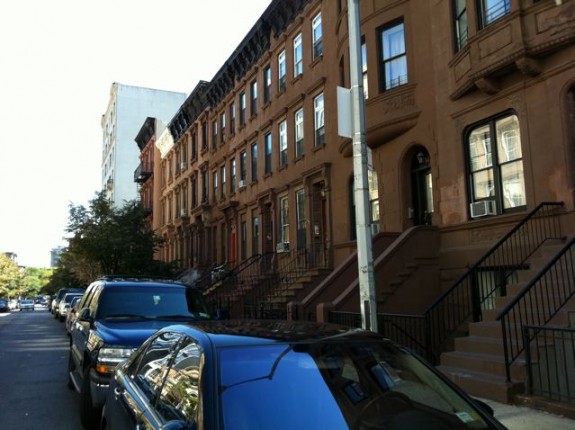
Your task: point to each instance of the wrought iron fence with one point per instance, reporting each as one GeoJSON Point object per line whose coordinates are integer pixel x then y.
{"type": "Point", "coordinates": [538, 302]}
{"type": "Point", "coordinates": [550, 354]}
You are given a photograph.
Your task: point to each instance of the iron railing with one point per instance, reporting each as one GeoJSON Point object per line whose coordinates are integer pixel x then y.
{"type": "Point", "coordinates": [550, 354]}
{"type": "Point", "coordinates": [538, 302]}
{"type": "Point", "coordinates": [476, 289]}
{"type": "Point", "coordinates": [269, 298]}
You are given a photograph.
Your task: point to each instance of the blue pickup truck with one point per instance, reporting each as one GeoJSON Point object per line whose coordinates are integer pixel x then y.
{"type": "Point", "coordinates": [115, 316]}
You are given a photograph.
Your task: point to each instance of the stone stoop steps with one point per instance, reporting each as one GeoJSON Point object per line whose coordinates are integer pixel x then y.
{"type": "Point", "coordinates": [477, 364]}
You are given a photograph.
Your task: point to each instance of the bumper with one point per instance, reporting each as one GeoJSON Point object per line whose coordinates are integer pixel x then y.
{"type": "Point", "coordinates": [98, 388]}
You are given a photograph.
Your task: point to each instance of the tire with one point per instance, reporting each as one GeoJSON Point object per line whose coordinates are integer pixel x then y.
{"type": "Point", "coordinates": [89, 415]}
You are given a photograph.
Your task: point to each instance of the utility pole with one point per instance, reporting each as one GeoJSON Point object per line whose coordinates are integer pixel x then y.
{"type": "Point", "coordinates": [360, 174]}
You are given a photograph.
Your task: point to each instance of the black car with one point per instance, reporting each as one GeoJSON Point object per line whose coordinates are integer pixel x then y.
{"type": "Point", "coordinates": [283, 375]}
{"type": "Point", "coordinates": [4, 307]}
{"type": "Point", "coordinates": [115, 316]}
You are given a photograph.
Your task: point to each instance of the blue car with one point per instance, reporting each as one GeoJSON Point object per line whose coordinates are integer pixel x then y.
{"type": "Point", "coordinates": [278, 375]}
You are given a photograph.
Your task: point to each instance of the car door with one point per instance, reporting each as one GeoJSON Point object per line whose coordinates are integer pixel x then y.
{"type": "Point", "coordinates": [138, 384]}
{"type": "Point", "coordinates": [81, 329]}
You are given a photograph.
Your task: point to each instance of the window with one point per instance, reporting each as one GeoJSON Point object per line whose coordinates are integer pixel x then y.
{"type": "Point", "coordinates": [149, 370]}
{"type": "Point", "coordinates": [282, 71]}
{"type": "Point", "coordinates": [364, 68]}
{"type": "Point", "coordinates": [299, 143]}
{"type": "Point", "coordinates": [243, 167]}
{"type": "Point", "coordinates": [205, 186]}
{"type": "Point", "coordinates": [319, 121]}
{"type": "Point", "coordinates": [232, 175]}
{"type": "Point", "coordinates": [242, 109]}
{"type": "Point", "coordinates": [255, 234]}
{"type": "Point", "coordinates": [194, 192]}
{"type": "Point", "coordinates": [317, 36]}
{"type": "Point", "coordinates": [223, 179]}
{"type": "Point", "coordinates": [394, 58]}
{"type": "Point", "coordinates": [300, 218]}
{"type": "Point", "coordinates": [204, 135]}
{"type": "Point", "coordinates": [460, 12]}
{"type": "Point", "coordinates": [215, 186]}
{"type": "Point", "coordinates": [496, 165]}
{"type": "Point", "coordinates": [232, 118]}
{"type": "Point", "coordinates": [254, 160]}
{"type": "Point", "coordinates": [194, 146]}
{"type": "Point", "coordinates": [267, 84]}
{"type": "Point", "coordinates": [214, 134]}
{"type": "Point", "coordinates": [283, 144]}
{"type": "Point", "coordinates": [297, 56]}
{"type": "Point", "coordinates": [492, 10]}
{"type": "Point", "coordinates": [243, 238]}
{"type": "Point", "coordinates": [284, 220]}
{"type": "Point", "coordinates": [222, 127]}
{"type": "Point", "coordinates": [254, 98]}
{"type": "Point", "coordinates": [268, 153]}
{"type": "Point", "coordinates": [184, 378]}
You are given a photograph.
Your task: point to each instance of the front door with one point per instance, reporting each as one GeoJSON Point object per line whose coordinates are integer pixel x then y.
{"type": "Point", "coordinates": [422, 189]}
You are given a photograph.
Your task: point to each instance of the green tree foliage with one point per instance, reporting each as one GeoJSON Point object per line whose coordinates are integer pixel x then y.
{"type": "Point", "coordinates": [9, 277]}
{"type": "Point", "coordinates": [110, 241]}
{"type": "Point", "coordinates": [34, 280]}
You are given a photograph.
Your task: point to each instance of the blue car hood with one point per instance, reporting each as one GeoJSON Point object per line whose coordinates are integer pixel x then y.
{"type": "Point", "coordinates": [128, 333]}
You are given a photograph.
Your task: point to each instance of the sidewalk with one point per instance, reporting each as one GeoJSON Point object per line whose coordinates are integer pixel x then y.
{"type": "Point", "coordinates": [524, 418]}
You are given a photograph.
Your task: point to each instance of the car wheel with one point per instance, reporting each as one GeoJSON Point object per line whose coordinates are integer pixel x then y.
{"type": "Point", "coordinates": [89, 415]}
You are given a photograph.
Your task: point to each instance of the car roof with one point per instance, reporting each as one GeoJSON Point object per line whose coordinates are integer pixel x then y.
{"type": "Point", "coordinates": [229, 333]}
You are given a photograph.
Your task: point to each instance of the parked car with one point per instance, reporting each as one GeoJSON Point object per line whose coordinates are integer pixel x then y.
{"type": "Point", "coordinates": [64, 305]}
{"type": "Point", "coordinates": [59, 295]}
{"type": "Point", "coordinates": [72, 313]}
{"type": "Point", "coordinates": [4, 306]}
{"type": "Point", "coordinates": [115, 317]}
{"type": "Point", "coordinates": [283, 375]}
{"type": "Point", "coordinates": [26, 305]}
{"type": "Point", "coordinates": [13, 304]}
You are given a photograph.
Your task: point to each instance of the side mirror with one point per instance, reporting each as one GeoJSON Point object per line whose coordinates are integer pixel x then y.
{"type": "Point", "coordinates": [84, 315]}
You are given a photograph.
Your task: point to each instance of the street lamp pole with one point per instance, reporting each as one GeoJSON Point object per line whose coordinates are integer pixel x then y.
{"type": "Point", "coordinates": [360, 174]}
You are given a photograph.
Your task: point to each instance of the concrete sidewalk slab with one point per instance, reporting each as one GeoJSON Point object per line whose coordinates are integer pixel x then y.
{"type": "Point", "coordinates": [523, 418]}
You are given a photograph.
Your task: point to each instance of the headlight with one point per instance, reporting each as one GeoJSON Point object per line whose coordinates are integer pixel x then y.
{"type": "Point", "coordinates": [109, 358]}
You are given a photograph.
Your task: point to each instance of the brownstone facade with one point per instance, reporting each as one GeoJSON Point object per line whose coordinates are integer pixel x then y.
{"type": "Point", "coordinates": [470, 120]}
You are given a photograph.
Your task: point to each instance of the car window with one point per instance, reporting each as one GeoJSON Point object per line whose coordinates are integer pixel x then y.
{"type": "Point", "coordinates": [135, 301]}
{"type": "Point", "coordinates": [148, 371]}
{"type": "Point", "coordinates": [180, 396]}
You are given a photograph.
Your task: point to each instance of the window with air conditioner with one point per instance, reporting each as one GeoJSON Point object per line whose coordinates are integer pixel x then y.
{"type": "Point", "coordinates": [496, 181]}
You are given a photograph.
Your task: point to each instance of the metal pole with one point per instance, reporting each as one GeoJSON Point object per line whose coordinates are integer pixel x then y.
{"type": "Point", "coordinates": [361, 187]}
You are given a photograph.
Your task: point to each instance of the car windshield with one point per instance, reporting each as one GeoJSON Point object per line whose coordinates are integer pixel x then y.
{"type": "Point", "coordinates": [26, 302]}
{"type": "Point", "coordinates": [164, 302]}
{"type": "Point", "coordinates": [337, 386]}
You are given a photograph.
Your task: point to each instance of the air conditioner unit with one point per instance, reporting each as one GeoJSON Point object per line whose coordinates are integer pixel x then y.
{"type": "Point", "coordinates": [282, 247]}
{"type": "Point", "coordinates": [183, 165]}
{"type": "Point", "coordinates": [242, 183]}
{"type": "Point", "coordinates": [374, 228]}
{"type": "Point", "coordinates": [482, 208]}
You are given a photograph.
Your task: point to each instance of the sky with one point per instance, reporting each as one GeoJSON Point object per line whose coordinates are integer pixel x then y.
{"type": "Point", "coordinates": [58, 61]}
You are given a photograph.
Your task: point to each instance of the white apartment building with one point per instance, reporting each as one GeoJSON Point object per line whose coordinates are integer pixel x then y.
{"type": "Point", "coordinates": [127, 109]}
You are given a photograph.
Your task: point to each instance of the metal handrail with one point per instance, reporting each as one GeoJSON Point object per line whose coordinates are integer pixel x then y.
{"type": "Point", "coordinates": [462, 302]}
{"type": "Point", "coordinates": [527, 307]}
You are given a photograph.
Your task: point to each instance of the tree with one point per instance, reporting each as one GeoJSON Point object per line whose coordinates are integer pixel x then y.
{"type": "Point", "coordinates": [110, 241]}
{"type": "Point", "coordinates": [9, 277]}
{"type": "Point", "coordinates": [33, 281]}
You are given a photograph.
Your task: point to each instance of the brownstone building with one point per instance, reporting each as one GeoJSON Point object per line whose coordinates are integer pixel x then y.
{"type": "Point", "coordinates": [470, 119]}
